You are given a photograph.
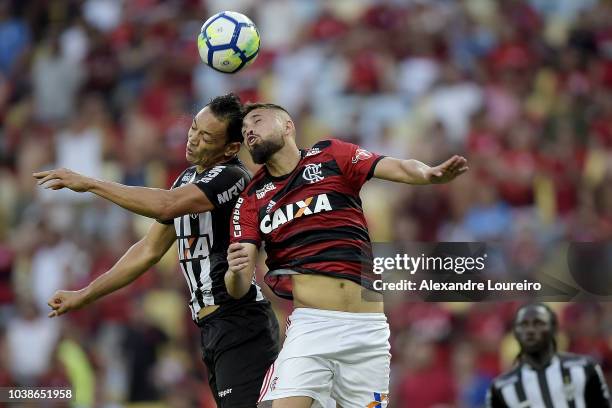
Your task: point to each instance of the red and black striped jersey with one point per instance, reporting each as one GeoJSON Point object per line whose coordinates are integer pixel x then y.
{"type": "Point", "coordinates": [310, 220]}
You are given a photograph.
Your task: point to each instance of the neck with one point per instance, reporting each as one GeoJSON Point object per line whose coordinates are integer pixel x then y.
{"type": "Point", "coordinates": [539, 359]}
{"type": "Point", "coordinates": [284, 161]}
{"type": "Point", "coordinates": [203, 167]}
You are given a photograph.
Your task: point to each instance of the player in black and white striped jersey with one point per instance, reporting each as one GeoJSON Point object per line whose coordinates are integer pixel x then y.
{"type": "Point", "coordinates": [239, 336]}
{"type": "Point", "coordinates": [544, 377]}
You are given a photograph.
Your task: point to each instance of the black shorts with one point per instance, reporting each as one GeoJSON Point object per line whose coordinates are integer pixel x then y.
{"type": "Point", "coordinates": [239, 343]}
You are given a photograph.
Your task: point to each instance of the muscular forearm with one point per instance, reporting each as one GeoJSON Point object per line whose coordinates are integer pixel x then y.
{"type": "Point", "coordinates": [237, 283]}
{"type": "Point", "coordinates": [132, 264]}
{"type": "Point", "coordinates": [150, 202]}
{"type": "Point", "coordinates": [413, 172]}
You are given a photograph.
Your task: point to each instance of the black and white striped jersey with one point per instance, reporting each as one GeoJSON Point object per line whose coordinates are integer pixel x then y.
{"type": "Point", "coordinates": [202, 239]}
{"type": "Point", "coordinates": [569, 381]}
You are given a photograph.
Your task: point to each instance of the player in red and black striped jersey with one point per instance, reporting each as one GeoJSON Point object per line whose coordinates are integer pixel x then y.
{"type": "Point", "coordinates": [305, 207]}
{"type": "Point", "coordinates": [332, 238]}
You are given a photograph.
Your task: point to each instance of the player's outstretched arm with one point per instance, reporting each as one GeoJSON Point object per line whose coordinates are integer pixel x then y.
{"type": "Point", "coordinates": [415, 172]}
{"type": "Point", "coordinates": [151, 202]}
{"type": "Point", "coordinates": [137, 260]}
{"type": "Point", "coordinates": [241, 259]}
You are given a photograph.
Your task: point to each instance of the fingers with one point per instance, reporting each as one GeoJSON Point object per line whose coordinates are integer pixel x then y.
{"type": "Point", "coordinates": [58, 312]}
{"type": "Point", "coordinates": [454, 163]}
{"type": "Point", "coordinates": [237, 257]}
{"type": "Point", "coordinates": [48, 177]}
{"type": "Point", "coordinates": [58, 304]}
{"type": "Point", "coordinates": [41, 174]}
{"type": "Point", "coordinates": [237, 261]}
{"type": "Point", "coordinates": [54, 185]}
{"type": "Point", "coordinates": [236, 246]}
{"type": "Point", "coordinates": [45, 176]}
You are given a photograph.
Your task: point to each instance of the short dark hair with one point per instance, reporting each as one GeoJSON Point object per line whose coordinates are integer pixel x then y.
{"type": "Point", "coordinates": [228, 108]}
{"type": "Point", "coordinates": [553, 316]}
{"type": "Point", "coordinates": [249, 107]}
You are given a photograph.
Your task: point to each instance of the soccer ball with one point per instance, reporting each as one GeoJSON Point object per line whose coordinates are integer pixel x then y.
{"type": "Point", "coordinates": [228, 42]}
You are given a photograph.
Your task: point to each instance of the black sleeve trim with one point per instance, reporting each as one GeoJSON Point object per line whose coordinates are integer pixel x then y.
{"type": "Point", "coordinates": [373, 168]}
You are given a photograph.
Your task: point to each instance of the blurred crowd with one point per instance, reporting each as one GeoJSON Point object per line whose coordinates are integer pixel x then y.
{"type": "Point", "coordinates": [521, 88]}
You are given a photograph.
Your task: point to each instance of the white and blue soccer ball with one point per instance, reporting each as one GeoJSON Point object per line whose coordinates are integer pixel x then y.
{"type": "Point", "coordinates": [228, 42]}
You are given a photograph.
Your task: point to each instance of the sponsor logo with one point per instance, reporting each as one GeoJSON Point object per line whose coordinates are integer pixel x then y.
{"type": "Point", "coordinates": [212, 173]}
{"type": "Point", "coordinates": [273, 384]}
{"type": "Point", "coordinates": [194, 247]}
{"type": "Point", "coordinates": [225, 392]}
{"type": "Point", "coordinates": [380, 400]}
{"type": "Point", "coordinates": [313, 152]}
{"type": "Point", "coordinates": [231, 192]}
{"type": "Point", "coordinates": [361, 154]}
{"type": "Point", "coordinates": [236, 218]}
{"type": "Point", "coordinates": [262, 191]}
{"type": "Point", "coordinates": [283, 215]}
{"type": "Point", "coordinates": [312, 173]}
{"type": "Point", "coordinates": [186, 177]}
{"type": "Point", "coordinates": [271, 204]}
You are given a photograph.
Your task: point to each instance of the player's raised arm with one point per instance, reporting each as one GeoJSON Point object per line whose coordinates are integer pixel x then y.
{"type": "Point", "coordinates": [415, 172]}
{"type": "Point", "coordinates": [137, 260]}
{"type": "Point", "coordinates": [241, 259]}
{"type": "Point", "coordinates": [150, 202]}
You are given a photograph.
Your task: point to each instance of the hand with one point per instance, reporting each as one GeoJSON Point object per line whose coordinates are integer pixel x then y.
{"type": "Point", "coordinates": [64, 301]}
{"type": "Point", "coordinates": [237, 257]}
{"type": "Point", "coordinates": [63, 178]}
{"type": "Point", "coordinates": [448, 171]}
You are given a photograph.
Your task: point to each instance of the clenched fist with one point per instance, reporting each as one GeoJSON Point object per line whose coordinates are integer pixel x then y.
{"type": "Point", "coordinates": [64, 301]}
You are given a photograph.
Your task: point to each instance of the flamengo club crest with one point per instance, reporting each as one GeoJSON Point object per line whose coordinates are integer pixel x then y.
{"type": "Point", "coordinates": [312, 173]}
{"type": "Point", "coordinates": [361, 154]}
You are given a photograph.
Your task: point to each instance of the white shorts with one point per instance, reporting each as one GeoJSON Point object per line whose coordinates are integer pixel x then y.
{"type": "Point", "coordinates": [330, 355]}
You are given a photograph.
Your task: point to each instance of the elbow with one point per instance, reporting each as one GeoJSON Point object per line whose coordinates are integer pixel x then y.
{"type": "Point", "coordinates": [166, 210]}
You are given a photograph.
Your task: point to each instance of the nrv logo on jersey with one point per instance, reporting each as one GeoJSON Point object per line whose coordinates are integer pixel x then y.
{"type": "Point", "coordinates": [262, 191]}
{"type": "Point", "coordinates": [312, 173]}
{"type": "Point", "coordinates": [311, 205]}
{"type": "Point", "coordinates": [231, 192]}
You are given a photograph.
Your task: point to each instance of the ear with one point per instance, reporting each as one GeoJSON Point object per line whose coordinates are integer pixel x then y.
{"type": "Point", "coordinates": [232, 149]}
{"type": "Point", "coordinates": [289, 127]}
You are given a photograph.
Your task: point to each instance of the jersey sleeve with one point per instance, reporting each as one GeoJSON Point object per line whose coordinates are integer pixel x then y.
{"type": "Point", "coordinates": [244, 225]}
{"type": "Point", "coordinates": [356, 163]}
{"type": "Point", "coordinates": [494, 398]}
{"type": "Point", "coordinates": [222, 186]}
{"type": "Point", "coordinates": [596, 393]}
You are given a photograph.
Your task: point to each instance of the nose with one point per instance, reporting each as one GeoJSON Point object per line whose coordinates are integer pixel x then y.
{"type": "Point", "coordinates": [191, 137]}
